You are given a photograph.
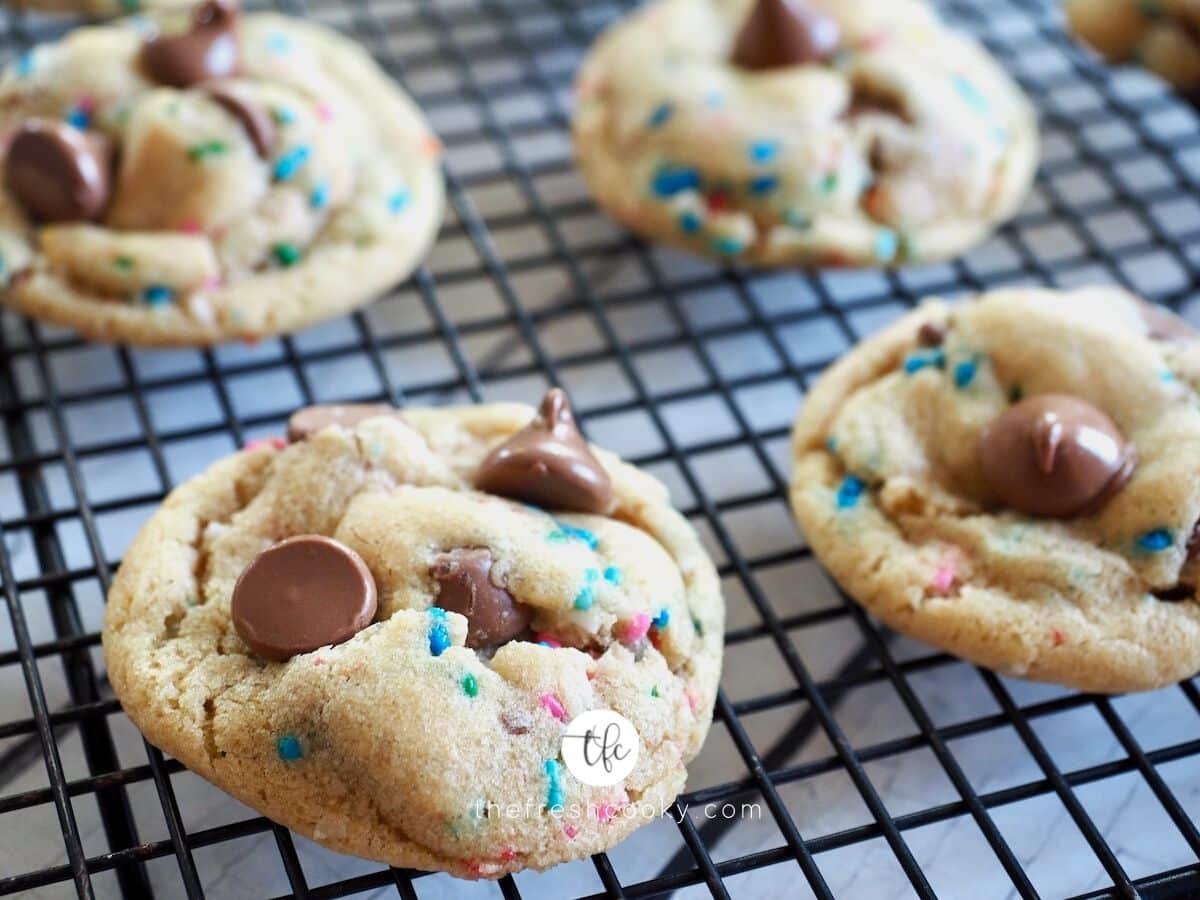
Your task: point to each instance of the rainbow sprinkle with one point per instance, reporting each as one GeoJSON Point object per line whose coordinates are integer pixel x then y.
{"type": "Point", "coordinates": [157, 295]}
{"type": "Point", "coordinates": [763, 151]}
{"type": "Point", "coordinates": [663, 619]}
{"type": "Point", "coordinates": [439, 634]}
{"type": "Point", "coordinates": [661, 115]}
{"type": "Point", "coordinates": [925, 359]}
{"type": "Point", "coordinates": [672, 180]}
{"type": "Point", "coordinates": [291, 162]}
{"type": "Point", "coordinates": [286, 254]}
{"type": "Point", "coordinates": [587, 594]}
{"type": "Point", "coordinates": [964, 373]}
{"type": "Point", "coordinates": [288, 747]}
{"type": "Point", "coordinates": [690, 221]}
{"type": "Point", "coordinates": [397, 200]}
{"type": "Point", "coordinates": [565, 532]}
{"type": "Point", "coordinates": [470, 685]}
{"type": "Point", "coordinates": [320, 195]}
{"type": "Point", "coordinates": [636, 628]}
{"type": "Point", "coordinates": [849, 491]}
{"type": "Point", "coordinates": [1155, 541]}
{"type": "Point", "coordinates": [554, 789]}
{"type": "Point", "coordinates": [553, 706]}
{"type": "Point", "coordinates": [612, 575]}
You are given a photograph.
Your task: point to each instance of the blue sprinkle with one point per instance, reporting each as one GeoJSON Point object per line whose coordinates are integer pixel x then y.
{"type": "Point", "coordinates": [398, 200]}
{"type": "Point", "coordinates": [587, 594]}
{"type": "Point", "coordinates": [25, 64]}
{"type": "Point", "coordinates": [1166, 376]}
{"type": "Point", "coordinates": [763, 151]}
{"type": "Point", "coordinates": [565, 532]}
{"type": "Point", "coordinates": [663, 619]}
{"type": "Point", "coordinates": [850, 490]}
{"type": "Point", "coordinates": [439, 634]}
{"type": "Point", "coordinates": [661, 115]}
{"type": "Point", "coordinates": [669, 181]}
{"type": "Point", "coordinates": [925, 358]}
{"type": "Point", "coordinates": [319, 196]}
{"type": "Point", "coordinates": [763, 184]}
{"type": "Point", "coordinates": [612, 575]}
{"type": "Point", "coordinates": [284, 116]}
{"type": "Point", "coordinates": [831, 444]}
{"type": "Point", "coordinates": [289, 749]}
{"type": "Point", "coordinates": [886, 245]}
{"type": "Point", "coordinates": [291, 162]}
{"type": "Point", "coordinates": [967, 90]}
{"type": "Point", "coordinates": [278, 42]}
{"type": "Point", "coordinates": [729, 246]}
{"type": "Point", "coordinates": [554, 789]}
{"type": "Point", "coordinates": [158, 295]}
{"type": "Point", "coordinates": [964, 372]}
{"type": "Point", "coordinates": [689, 221]}
{"type": "Point", "coordinates": [1154, 541]}
{"type": "Point", "coordinates": [79, 117]}
{"type": "Point", "coordinates": [797, 219]}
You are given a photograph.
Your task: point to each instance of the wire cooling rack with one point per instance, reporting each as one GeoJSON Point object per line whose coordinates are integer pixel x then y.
{"type": "Point", "coordinates": [843, 761]}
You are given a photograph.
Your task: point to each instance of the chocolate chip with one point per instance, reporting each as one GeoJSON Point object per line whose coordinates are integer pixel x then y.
{"type": "Point", "coordinates": [1176, 594]}
{"type": "Point", "coordinates": [931, 334]}
{"type": "Point", "coordinates": [240, 104]}
{"type": "Point", "coordinates": [548, 464]}
{"type": "Point", "coordinates": [59, 173]}
{"type": "Point", "coordinates": [209, 49]}
{"type": "Point", "coordinates": [1055, 455]}
{"type": "Point", "coordinates": [304, 423]}
{"type": "Point", "coordinates": [780, 33]}
{"type": "Point", "coordinates": [466, 587]}
{"type": "Point", "coordinates": [300, 594]}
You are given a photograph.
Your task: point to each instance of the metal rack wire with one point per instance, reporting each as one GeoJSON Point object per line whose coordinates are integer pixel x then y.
{"type": "Point", "coordinates": [530, 285]}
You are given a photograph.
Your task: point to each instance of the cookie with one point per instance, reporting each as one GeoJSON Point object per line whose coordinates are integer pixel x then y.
{"type": "Point", "coordinates": [211, 178]}
{"type": "Point", "coordinates": [1012, 479]}
{"type": "Point", "coordinates": [372, 636]}
{"type": "Point", "coordinates": [1163, 36]}
{"type": "Point", "coordinates": [802, 132]}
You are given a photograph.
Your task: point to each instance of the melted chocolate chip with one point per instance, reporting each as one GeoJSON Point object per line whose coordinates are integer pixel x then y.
{"type": "Point", "coordinates": [548, 464]}
{"type": "Point", "coordinates": [304, 423]}
{"type": "Point", "coordinates": [1055, 455]}
{"type": "Point", "coordinates": [300, 594]}
{"type": "Point", "coordinates": [466, 587]}
{"type": "Point", "coordinates": [59, 173]}
{"type": "Point", "coordinates": [1176, 594]}
{"type": "Point", "coordinates": [780, 33]}
{"type": "Point", "coordinates": [209, 49]}
{"type": "Point", "coordinates": [240, 104]}
{"type": "Point", "coordinates": [931, 334]}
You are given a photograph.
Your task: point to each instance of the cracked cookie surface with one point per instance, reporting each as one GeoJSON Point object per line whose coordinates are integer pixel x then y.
{"type": "Point", "coordinates": [905, 142]}
{"type": "Point", "coordinates": [903, 496]}
{"type": "Point", "coordinates": [409, 743]}
{"type": "Point", "coordinates": [290, 183]}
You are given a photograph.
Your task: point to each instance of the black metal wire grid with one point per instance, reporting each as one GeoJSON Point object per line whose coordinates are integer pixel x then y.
{"type": "Point", "coordinates": [529, 285]}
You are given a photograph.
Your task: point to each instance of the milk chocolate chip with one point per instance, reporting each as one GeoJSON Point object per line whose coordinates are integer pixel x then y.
{"type": "Point", "coordinates": [239, 103]}
{"type": "Point", "coordinates": [1055, 455]}
{"type": "Point", "coordinates": [208, 50]}
{"type": "Point", "coordinates": [548, 464]}
{"type": "Point", "coordinates": [306, 422]}
{"type": "Point", "coordinates": [465, 586]}
{"type": "Point", "coordinates": [300, 594]}
{"type": "Point", "coordinates": [59, 173]}
{"type": "Point", "coordinates": [780, 33]}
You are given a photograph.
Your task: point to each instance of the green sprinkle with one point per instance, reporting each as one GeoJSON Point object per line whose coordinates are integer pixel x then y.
{"type": "Point", "coordinates": [470, 685]}
{"type": "Point", "coordinates": [287, 254]}
{"type": "Point", "coordinates": [198, 152]}
{"type": "Point", "coordinates": [654, 691]}
{"type": "Point", "coordinates": [123, 263]}
{"type": "Point", "coordinates": [829, 183]}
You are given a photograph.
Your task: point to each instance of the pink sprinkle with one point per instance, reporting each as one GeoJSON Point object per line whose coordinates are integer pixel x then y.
{"type": "Point", "coordinates": [944, 577]}
{"type": "Point", "coordinates": [87, 102]}
{"type": "Point", "coordinates": [554, 707]}
{"type": "Point", "coordinates": [211, 282]}
{"type": "Point", "coordinates": [636, 628]}
{"type": "Point", "coordinates": [276, 442]}
{"type": "Point", "coordinates": [1058, 636]}
{"type": "Point", "coordinates": [692, 699]}
{"type": "Point", "coordinates": [508, 854]}
{"type": "Point", "coordinates": [570, 831]}
{"type": "Point", "coordinates": [318, 661]}
{"type": "Point", "coordinates": [605, 811]}
{"type": "Point", "coordinates": [190, 226]}
{"type": "Point", "coordinates": [548, 640]}
{"type": "Point", "coordinates": [324, 112]}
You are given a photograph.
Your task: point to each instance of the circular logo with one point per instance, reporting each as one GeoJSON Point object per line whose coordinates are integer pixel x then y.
{"type": "Point", "coordinates": [600, 747]}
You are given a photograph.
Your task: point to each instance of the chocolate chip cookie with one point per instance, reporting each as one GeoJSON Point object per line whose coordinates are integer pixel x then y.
{"type": "Point", "coordinates": [1013, 479]}
{"type": "Point", "coordinates": [377, 632]}
{"type": "Point", "coordinates": [785, 132]}
{"type": "Point", "coordinates": [210, 177]}
{"type": "Point", "coordinates": [1162, 35]}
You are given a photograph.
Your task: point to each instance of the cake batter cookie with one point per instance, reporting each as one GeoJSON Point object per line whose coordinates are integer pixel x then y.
{"type": "Point", "coordinates": [372, 636]}
{"type": "Point", "coordinates": [1163, 36]}
{"type": "Point", "coordinates": [802, 132]}
{"type": "Point", "coordinates": [1013, 479]}
{"type": "Point", "coordinates": [220, 177]}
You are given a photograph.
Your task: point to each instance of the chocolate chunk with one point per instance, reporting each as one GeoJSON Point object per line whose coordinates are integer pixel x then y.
{"type": "Point", "coordinates": [931, 334]}
{"type": "Point", "coordinates": [209, 49]}
{"type": "Point", "coordinates": [59, 173]}
{"type": "Point", "coordinates": [1176, 594]}
{"type": "Point", "coordinates": [240, 104]}
{"type": "Point", "coordinates": [304, 423]}
{"type": "Point", "coordinates": [548, 464]}
{"type": "Point", "coordinates": [780, 33]}
{"type": "Point", "coordinates": [1055, 455]}
{"type": "Point", "coordinates": [300, 594]}
{"type": "Point", "coordinates": [466, 587]}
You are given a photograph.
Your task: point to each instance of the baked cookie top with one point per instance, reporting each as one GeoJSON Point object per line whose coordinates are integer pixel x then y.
{"type": "Point", "coordinates": [1013, 479]}
{"type": "Point", "coordinates": [802, 132]}
{"type": "Point", "coordinates": [208, 178]}
{"type": "Point", "coordinates": [467, 629]}
{"type": "Point", "coordinates": [1163, 36]}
